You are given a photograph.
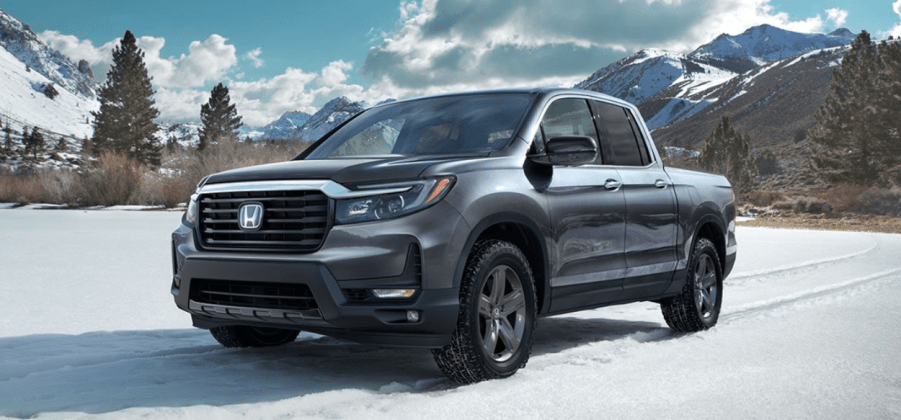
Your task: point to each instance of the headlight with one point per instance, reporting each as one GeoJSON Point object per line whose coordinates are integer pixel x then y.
{"type": "Point", "coordinates": [193, 208]}
{"type": "Point", "coordinates": [191, 213]}
{"type": "Point", "coordinates": [420, 195]}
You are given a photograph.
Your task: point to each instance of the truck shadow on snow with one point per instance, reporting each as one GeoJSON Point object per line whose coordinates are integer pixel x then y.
{"type": "Point", "coordinates": [108, 371]}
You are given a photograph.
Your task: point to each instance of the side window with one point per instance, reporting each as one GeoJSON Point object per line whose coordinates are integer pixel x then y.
{"type": "Point", "coordinates": [617, 138]}
{"type": "Point", "coordinates": [568, 117]}
{"type": "Point", "coordinates": [642, 146]}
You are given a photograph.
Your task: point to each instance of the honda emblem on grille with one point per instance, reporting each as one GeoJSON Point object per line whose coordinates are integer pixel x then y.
{"type": "Point", "coordinates": [250, 216]}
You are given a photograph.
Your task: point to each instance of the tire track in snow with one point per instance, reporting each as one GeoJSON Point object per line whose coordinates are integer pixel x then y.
{"type": "Point", "coordinates": [741, 278]}
{"type": "Point", "coordinates": [743, 311]}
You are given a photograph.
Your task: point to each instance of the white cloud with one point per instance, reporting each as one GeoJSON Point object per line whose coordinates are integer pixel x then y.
{"type": "Point", "coordinates": [179, 105]}
{"type": "Point", "coordinates": [205, 61]}
{"type": "Point", "coordinates": [334, 73]}
{"type": "Point", "coordinates": [99, 58]}
{"type": "Point", "coordinates": [837, 16]}
{"type": "Point", "coordinates": [181, 83]}
{"type": "Point", "coordinates": [254, 57]}
{"type": "Point", "coordinates": [896, 30]}
{"type": "Point", "coordinates": [450, 44]}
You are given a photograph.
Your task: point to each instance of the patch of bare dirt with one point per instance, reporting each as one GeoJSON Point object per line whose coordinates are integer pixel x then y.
{"type": "Point", "coordinates": [848, 223]}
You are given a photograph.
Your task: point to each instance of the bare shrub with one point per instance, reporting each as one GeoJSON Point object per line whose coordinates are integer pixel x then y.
{"type": "Point", "coordinates": [763, 198]}
{"type": "Point", "coordinates": [167, 190]}
{"type": "Point", "coordinates": [884, 202]}
{"type": "Point", "coordinates": [226, 155]}
{"type": "Point", "coordinates": [844, 197]}
{"type": "Point", "coordinates": [60, 186]}
{"type": "Point", "coordinates": [112, 180]}
{"type": "Point", "coordinates": [804, 204]}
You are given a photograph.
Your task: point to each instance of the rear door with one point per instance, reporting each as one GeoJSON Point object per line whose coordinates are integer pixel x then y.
{"type": "Point", "coordinates": [650, 213]}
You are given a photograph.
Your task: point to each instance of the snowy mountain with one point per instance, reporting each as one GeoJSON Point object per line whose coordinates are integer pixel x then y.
{"type": "Point", "coordinates": [186, 135]}
{"type": "Point", "coordinates": [18, 39]}
{"type": "Point", "coordinates": [772, 103]}
{"type": "Point", "coordinates": [332, 114]}
{"type": "Point", "coordinates": [765, 44]}
{"type": "Point", "coordinates": [27, 67]}
{"type": "Point", "coordinates": [287, 123]}
{"type": "Point", "coordinates": [647, 72]}
{"type": "Point", "coordinates": [670, 87]}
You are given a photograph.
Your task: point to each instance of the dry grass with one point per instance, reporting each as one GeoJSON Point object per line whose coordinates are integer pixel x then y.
{"type": "Point", "coordinates": [113, 179]}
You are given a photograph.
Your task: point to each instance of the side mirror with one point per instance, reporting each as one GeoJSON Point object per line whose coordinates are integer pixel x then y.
{"type": "Point", "coordinates": [569, 151]}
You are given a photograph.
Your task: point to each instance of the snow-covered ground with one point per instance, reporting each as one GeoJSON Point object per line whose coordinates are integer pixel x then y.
{"type": "Point", "coordinates": [811, 327]}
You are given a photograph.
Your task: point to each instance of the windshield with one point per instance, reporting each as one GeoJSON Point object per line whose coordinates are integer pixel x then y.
{"type": "Point", "coordinates": [442, 125]}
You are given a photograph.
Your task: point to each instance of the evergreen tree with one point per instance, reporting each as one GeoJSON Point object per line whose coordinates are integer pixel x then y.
{"type": "Point", "coordinates": [219, 118]}
{"type": "Point", "coordinates": [8, 138]}
{"type": "Point", "coordinates": [34, 142]}
{"type": "Point", "coordinates": [172, 144]}
{"type": "Point", "coordinates": [60, 145]}
{"type": "Point", "coordinates": [86, 147]}
{"type": "Point", "coordinates": [859, 122]}
{"type": "Point", "coordinates": [26, 142]}
{"type": "Point", "coordinates": [125, 121]}
{"type": "Point", "coordinates": [726, 151]}
{"type": "Point", "coordinates": [37, 142]}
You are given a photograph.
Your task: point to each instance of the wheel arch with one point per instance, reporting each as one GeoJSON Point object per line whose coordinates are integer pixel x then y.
{"type": "Point", "coordinates": [709, 227]}
{"type": "Point", "coordinates": [520, 231]}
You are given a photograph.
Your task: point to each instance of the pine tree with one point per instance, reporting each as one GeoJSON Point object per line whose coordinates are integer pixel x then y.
{"type": "Point", "coordinates": [859, 122]}
{"type": "Point", "coordinates": [125, 121]}
{"type": "Point", "coordinates": [36, 141]}
{"type": "Point", "coordinates": [726, 151]}
{"type": "Point", "coordinates": [60, 145]}
{"type": "Point", "coordinates": [172, 143]}
{"type": "Point", "coordinates": [26, 142]}
{"type": "Point", "coordinates": [8, 138]}
{"type": "Point", "coordinates": [86, 147]}
{"type": "Point", "coordinates": [219, 118]}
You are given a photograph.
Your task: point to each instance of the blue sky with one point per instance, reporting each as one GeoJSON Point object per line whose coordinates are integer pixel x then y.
{"type": "Point", "coordinates": [278, 56]}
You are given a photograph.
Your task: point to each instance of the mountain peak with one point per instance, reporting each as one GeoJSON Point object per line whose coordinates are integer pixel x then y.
{"type": "Point", "coordinates": [843, 33]}
{"type": "Point", "coordinates": [765, 44]}
{"type": "Point", "coordinates": [18, 38]}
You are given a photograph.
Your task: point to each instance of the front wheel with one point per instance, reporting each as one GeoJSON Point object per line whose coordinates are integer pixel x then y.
{"type": "Point", "coordinates": [697, 307]}
{"type": "Point", "coordinates": [497, 316]}
{"type": "Point", "coordinates": [244, 336]}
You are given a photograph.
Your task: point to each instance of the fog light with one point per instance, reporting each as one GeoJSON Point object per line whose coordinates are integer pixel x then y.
{"type": "Point", "coordinates": [393, 293]}
{"type": "Point", "coordinates": [413, 316]}
{"type": "Point", "coordinates": [177, 282]}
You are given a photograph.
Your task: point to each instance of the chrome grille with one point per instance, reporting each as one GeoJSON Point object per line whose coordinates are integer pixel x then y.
{"type": "Point", "coordinates": [292, 220]}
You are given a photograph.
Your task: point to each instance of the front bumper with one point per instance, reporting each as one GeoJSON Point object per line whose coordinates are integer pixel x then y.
{"type": "Point", "coordinates": [352, 258]}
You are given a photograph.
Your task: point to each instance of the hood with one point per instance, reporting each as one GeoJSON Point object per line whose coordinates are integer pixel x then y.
{"type": "Point", "coordinates": [342, 171]}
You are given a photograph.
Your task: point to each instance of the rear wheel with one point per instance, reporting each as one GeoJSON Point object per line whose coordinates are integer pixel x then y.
{"type": "Point", "coordinates": [245, 336]}
{"type": "Point", "coordinates": [497, 316]}
{"type": "Point", "coordinates": [697, 307]}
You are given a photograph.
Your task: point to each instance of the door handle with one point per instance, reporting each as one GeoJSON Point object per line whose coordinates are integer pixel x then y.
{"type": "Point", "coordinates": [613, 184]}
{"type": "Point", "coordinates": [661, 183]}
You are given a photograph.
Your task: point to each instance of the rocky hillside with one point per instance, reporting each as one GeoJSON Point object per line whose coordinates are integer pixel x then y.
{"type": "Point", "coordinates": [670, 87]}
{"type": "Point", "coordinates": [19, 40]}
{"type": "Point", "coordinates": [286, 124]}
{"type": "Point", "coordinates": [774, 103]}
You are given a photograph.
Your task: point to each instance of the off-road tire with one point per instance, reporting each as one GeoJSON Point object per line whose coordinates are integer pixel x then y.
{"type": "Point", "coordinates": [244, 336]}
{"type": "Point", "coordinates": [697, 306]}
{"type": "Point", "coordinates": [510, 313]}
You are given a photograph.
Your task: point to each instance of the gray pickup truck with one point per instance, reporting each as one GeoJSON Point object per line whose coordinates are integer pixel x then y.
{"type": "Point", "coordinates": [453, 223]}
